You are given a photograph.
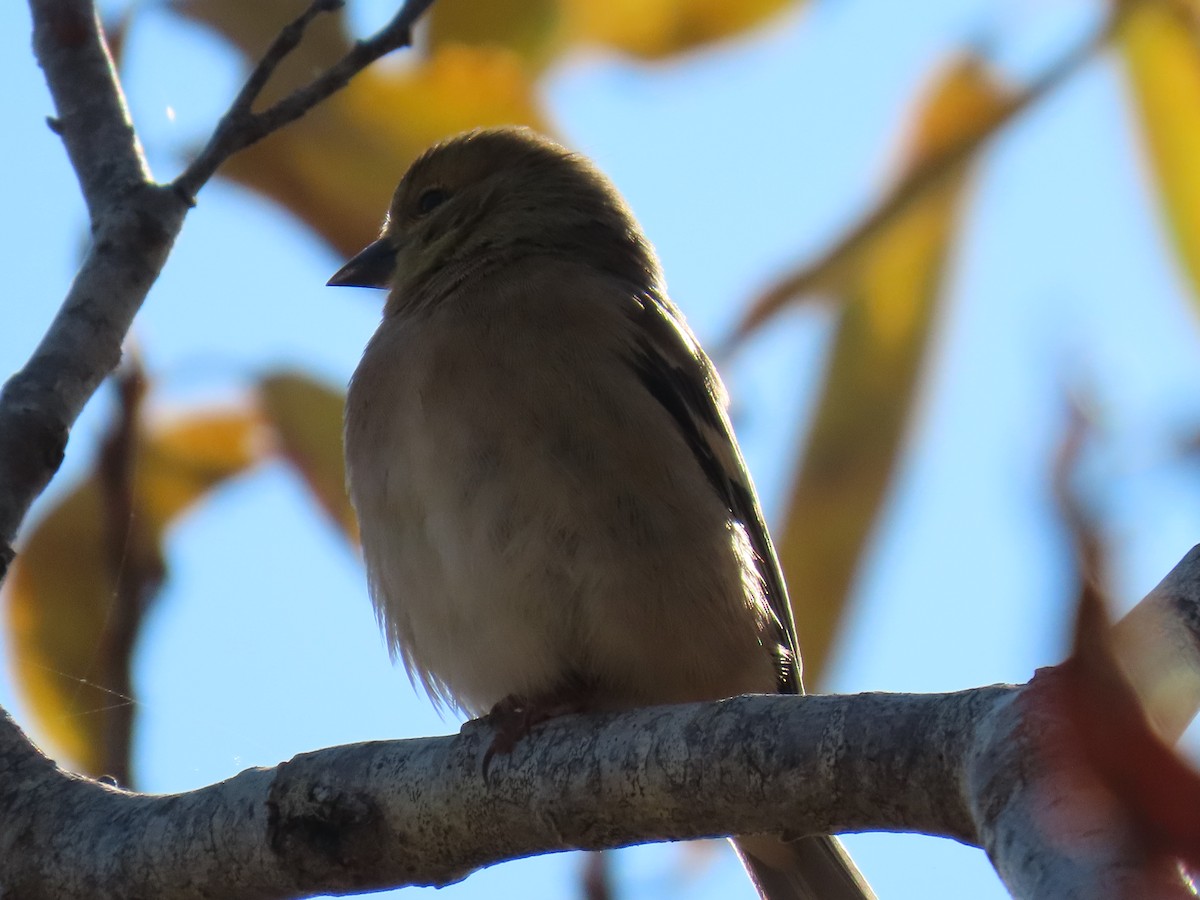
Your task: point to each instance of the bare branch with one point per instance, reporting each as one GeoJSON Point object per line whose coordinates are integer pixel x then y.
{"type": "Point", "coordinates": [134, 224]}
{"type": "Point", "coordinates": [396, 813]}
{"type": "Point", "coordinates": [241, 127]}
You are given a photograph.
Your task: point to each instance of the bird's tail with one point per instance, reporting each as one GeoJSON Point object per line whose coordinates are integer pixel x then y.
{"type": "Point", "coordinates": [811, 868]}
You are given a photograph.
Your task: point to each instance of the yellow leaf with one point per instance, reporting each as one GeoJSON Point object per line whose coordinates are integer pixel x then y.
{"type": "Point", "coordinates": [946, 134]}
{"type": "Point", "coordinates": [529, 28]}
{"type": "Point", "coordinates": [308, 422]}
{"type": "Point", "coordinates": [182, 459]}
{"type": "Point", "coordinates": [61, 589]}
{"type": "Point", "coordinates": [887, 292]}
{"type": "Point", "coordinates": [652, 29]}
{"type": "Point", "coordinates": [1161, 48]}
{"type": "Point", "coordinates": [540, 30]}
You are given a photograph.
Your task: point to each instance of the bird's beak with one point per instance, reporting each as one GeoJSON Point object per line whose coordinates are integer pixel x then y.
{"type": "Point", "coordinates": [371, 267]}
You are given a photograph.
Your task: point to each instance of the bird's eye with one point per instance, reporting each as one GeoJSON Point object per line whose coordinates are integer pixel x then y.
{"type": "Point", "coordinates": [431, 199]}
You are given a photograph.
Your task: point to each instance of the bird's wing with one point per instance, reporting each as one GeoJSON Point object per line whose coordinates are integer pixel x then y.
{"type": "Point", "coordinates": [675, 370]}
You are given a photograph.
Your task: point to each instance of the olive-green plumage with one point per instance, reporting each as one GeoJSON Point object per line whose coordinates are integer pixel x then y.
{"type": "Point", "coordinates": [555, 514]}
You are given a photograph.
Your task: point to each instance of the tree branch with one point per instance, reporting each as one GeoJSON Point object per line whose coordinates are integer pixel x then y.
{"type": "Point", "coordinates": [388, 814]}
{"type": "Point", "coordinates": [134, 223]}
{"type": "Point", "coordinates": [982, 766]}
{"type": "Point", "coordinates": [92, 119]}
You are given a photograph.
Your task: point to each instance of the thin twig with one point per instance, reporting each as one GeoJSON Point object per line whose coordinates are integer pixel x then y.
{"type": "Point", "coordinates": [922, 179]}
{"type": "Point", "coordinates": [241, 127]}
{"type": "Point", "coordinates": [285, 42]}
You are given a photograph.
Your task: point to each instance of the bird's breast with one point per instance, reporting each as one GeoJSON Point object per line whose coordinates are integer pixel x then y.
{"type": "Point", "coordinates": [530, 517]}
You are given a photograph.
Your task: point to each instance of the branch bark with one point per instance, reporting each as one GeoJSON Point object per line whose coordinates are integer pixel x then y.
{"type": "Point", "coordinates": [981, 766]}
{"type": "Point", "coordinates": [388, 814]}
{"type": "Point", "coordinates": [134, 223]}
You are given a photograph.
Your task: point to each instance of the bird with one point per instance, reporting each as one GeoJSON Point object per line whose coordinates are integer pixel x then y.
{"type": "Point", "coordinates": [555, 515]}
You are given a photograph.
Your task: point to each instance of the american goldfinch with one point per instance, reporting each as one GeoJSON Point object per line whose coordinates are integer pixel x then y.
{"type": "Point", "coordinates": [555, 515]}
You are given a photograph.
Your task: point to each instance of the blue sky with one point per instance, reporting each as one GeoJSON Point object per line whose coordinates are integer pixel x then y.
{"type": "Point", "coordinates": [738, 161]}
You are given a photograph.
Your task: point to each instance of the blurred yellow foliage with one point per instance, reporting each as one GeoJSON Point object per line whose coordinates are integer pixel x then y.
{"type": "Point", "coordinates": [532, 29]}
{"type": "Point", "coordinates": [886, 290]}
{"type": "Point", "coordinates": [61, 589]}
{"type": "Point", "coordinates": [307, 420]}
{"type": "Point", "coordinates": [1160, 42]}
{"type": "Point", "coordinates": [543, 30]}
{"type": "Point", "coordinates": [655, 29]}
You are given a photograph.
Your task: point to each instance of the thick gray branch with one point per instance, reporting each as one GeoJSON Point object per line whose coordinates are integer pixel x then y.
{"type": "Point", "coordinates": [993, 766]}
{"type": "Point", "coordinates": [134, 223]}
{"type": "Point", "coordinates": [383, 814]}
{"type": "Point", "coordinates": [92, 116]}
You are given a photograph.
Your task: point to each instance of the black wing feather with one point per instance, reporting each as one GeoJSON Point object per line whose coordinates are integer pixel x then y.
{"type": "Point", "coordinates": [673, 368]}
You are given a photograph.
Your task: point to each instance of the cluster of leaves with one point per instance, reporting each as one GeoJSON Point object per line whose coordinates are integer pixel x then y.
{"type": "Point", "coordinates": [92, 565]}
{"type": "Point", "coordinates": [73, 627]}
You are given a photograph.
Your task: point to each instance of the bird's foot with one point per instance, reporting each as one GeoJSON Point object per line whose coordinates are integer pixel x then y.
{"type": "Point", "coordinates": [515, 717]}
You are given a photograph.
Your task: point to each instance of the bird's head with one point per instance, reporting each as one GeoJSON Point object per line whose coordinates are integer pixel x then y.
{"type": "Point", "coordinates": [484, 199]}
